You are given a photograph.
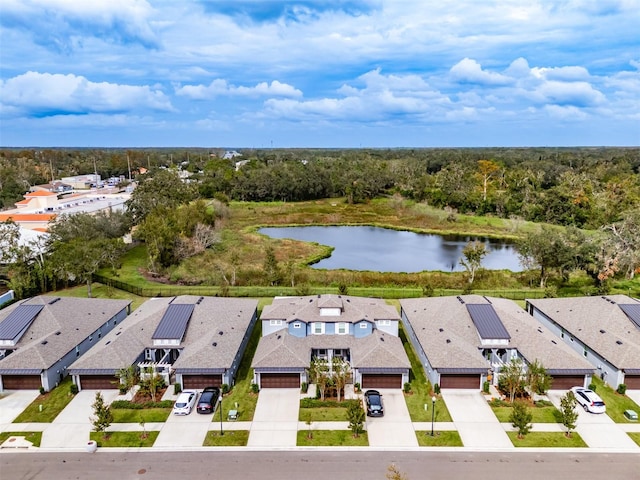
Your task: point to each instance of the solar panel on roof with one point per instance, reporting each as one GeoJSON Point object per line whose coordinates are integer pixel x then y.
{"type": "Point", "coordinates": [18, 321]}
{"type": "Point", "coordinates": [632, 310]}
{"type": "Point", "coordinates": [487, 322]}
{"type": "Point", "coordinates": [174, 322]}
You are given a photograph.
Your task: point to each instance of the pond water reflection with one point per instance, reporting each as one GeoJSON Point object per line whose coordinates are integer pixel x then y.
{"type": "Point", "coordinates": [385, 250]}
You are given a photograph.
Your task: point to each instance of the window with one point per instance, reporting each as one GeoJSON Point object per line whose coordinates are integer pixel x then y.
{"type": "Point", "coordinates": [341, 328]}
{"type": "Point", "coordinates": [275, 322]}
{"type": "Point", "coordinates": [297, 325]}
{"type": "Point", "coordinates": [363, 325]}
{"type": "Point", "coordinates": [77, 351]}
{"type": "Point", "coordinates": [584, 352]}
{"type": "Point", "coordinates": [385, 323]}
{"type": "Point", "coordinates": [318, 328]}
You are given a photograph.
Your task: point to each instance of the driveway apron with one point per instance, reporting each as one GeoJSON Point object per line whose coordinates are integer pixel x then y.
{"type": "Point", "coordinates": [477, 425]}
{"type": "Point", "coordinates": [597, 430]}
{"type": "Point", "coordinates": [184, 430]}
{"type": "Point", "coordinates": [12, 405]}
{"type": "Point", "coordinates": [70, 429]}
{"type": "Point", "coordinates": [395, 428]}
{"type": "Point", "coordinates": [275, 421]}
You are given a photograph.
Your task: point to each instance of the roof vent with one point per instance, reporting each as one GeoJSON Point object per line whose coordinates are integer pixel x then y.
{"type": "Point", "coordinates": [199, 300]}
{"type": "Point", "coordinates": [448, 340]}
{"type": "Point", "coordinates": [215, 344]}
{"type": "Point", "coordinates": [279, 337]}
{"type": "Point", "coordinates": [220, 332]}
{"type": "Point", "coordinates": [554, 342]}
{"type": "Point", "coordinates": [54, 300]}
{"type": "Point", "coordinates": [382, 339]}
{"type": "Point", "coordinates": [603, 331]}
{"type": "Point", "coordinates": [619, 342]}
{"type": "Point", "coordinates": [44, 342]}
{"type": "Point", "coordinates": [58, 332]}
{"type": "Point", "coordinates": [441, 329]}
{"type": "Point", "coordinates": [460, 299]}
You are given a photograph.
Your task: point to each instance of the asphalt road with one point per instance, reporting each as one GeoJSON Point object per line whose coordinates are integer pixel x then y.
{"type": "Point", "coordinates": [312, 465]}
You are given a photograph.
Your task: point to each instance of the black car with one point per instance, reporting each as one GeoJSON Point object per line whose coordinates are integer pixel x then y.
{"type": "Point", "coordinates": [208, 400]}
{"type": "Point", "coordinates": [373, 399]}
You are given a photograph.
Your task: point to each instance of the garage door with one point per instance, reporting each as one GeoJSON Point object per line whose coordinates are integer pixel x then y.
{"type": "Point", "coordinates": [21, 382]}
{"type": "Point", "coordinates": [280, 380]}
{"type": "Point", "coordinates": [201, 381]}
{"type": "Point", "coordinates": [98, 382]}
{"type": "Point", "coordinates": [565, 382]}
{"type": "Point", "coordinates": [632, 382]}
{"type": "Point", "coordinates": [371, 380]}
{"type": "Point", "coordinates": [460, 381]}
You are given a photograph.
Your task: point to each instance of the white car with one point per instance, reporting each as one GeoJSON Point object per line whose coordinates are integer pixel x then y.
{"type": "Point", "coordinates": [589, 400]}
{"type": "Point", "coordinates": [185, 402]}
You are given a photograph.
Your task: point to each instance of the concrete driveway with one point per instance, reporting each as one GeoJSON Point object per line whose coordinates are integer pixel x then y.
{"type": "Point", "coordinates": [395, 428]}
{"type": "Point", "coordinates": [597, 430]}
{"type": "Point", "coordinates": [275, 421]}
{"type": "Point", "coordinates": [13, 403]}
{"type": "Point", "coordinates": [185, 430]}
{"type": "Point", "coordinates": [477, 425]}
{"type": "Point", "coordinates": [635, 396]}
{"type": "Point", "coordinates": [70, 429]}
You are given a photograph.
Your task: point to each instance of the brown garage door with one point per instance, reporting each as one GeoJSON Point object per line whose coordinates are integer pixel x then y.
{"type": "Point", "coordinates": [565, 382]}
{"type": "Point", "coordinates": [21, 382]}
{"type": "Point", "coordinates": [632, 382]}
{"type": "Point", "coordinates": [371, 380]}
{"type": "Point", "coordinates": [280, 380]}
{"type": "Point", "coordinates": [98, 382]}
{"type": "Point", "coordinates": [201, 381]}
{"type": "Point", "coordinates": [460, 381]}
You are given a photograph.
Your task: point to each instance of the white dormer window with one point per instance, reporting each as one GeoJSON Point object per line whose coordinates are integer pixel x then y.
{"type": "Point", "coordinates": [330, 312]}
{"type": "Point", "coordinates": [297, 325]}
{"type": "Point", "coordinates": [384, 323]}
{"type": "Point", "coordinates": [317, 328]}
{"type": "Point", "coordinates": [363, 325]}
{"type": "Point", "coordinates": [275, 323]}
{"type": "Point", "coordinates": [342, 328]}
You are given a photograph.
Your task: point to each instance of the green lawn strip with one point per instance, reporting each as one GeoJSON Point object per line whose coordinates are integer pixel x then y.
{"type": "Point", "coordinates": [545, 414]}
{"type": "Point", "coordinates": [616, 403]}
{"type": "Point", "coordinates": [230, 438]}
{"type": "Point", "coordinates": [439, 439]}
{"type": "Point", "coordinates": [34, 437]}
{"type": "Point", "coordinates": [547, 439]}
{"type": "Point", "coordinates": [419, 395]}
{"type": "Point", "coordinates": [52, 402]}
{"type": "Point", "coordinates": [323, 414]}
{"type": "Point", "coordinates": [124, 439]}
{"type": "Point", "coordinates": [148, 415]}
{"type": "Point", "coordinates": [241, 394]}
{"type": "Point", "coordinates": [99, 290]}
{"type": "Point", "coordinates": [635, 436]}
{"type": "Point", "coordinates": [331, 438]}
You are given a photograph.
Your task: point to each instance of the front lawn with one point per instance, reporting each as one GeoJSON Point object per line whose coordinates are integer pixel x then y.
{"type": "Point", "coordinates": [616, 403]}
{"type": "Point", "coordinates": [124, 439]}
{"type": "Point", "coordinates": [635, 436]}
{"type": "Point", "coordinates": [547, 439]}
{"type": "Point", "coordinates": [541, 414]}
{"type": "Point", "coordinates": [439, 439]}
{"type": "Point", "coordinates": [420, 394]}
{"type": "Point", "coordinates": [323, 411]}
{"type": "Point", "coordinates": [231, 438]}
{"type": "Point", "coordinates": [331, 438]}
{"type": "Point", "coordinates": [52, 402]}
{"type": "Point", "coordinates": [137, 415]}
{"type": "Point", "coordinates": [34, 437]}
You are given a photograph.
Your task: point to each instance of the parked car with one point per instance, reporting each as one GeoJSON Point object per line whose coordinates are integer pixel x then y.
{"type": "Point", "coordinates": [185, 402]}
{"type": "Point", "coordinates": [208, 400]}
{"type": "Point", "coordinates": [590, 401]}
{"type": "Point", "coordinates": [373, 399]}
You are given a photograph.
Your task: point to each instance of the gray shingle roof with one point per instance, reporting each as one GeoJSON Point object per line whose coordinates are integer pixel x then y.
{"type": "Point", "coordinates": [121, 347]}
{"type": "Point", "coordinates": [449, 337]}
{"type": "Point", "coordinates": [57, 329]}
{"type": "Point", "coordinates": [308, 309]}
{"type": "Point", "coordinates": [598, 322]}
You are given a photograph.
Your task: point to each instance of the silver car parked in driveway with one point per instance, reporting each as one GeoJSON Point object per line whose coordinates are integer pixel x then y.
{"type": "Point", "coordinates": [590, 401]}
{"type": "Point", "coordinates": [185, 402]}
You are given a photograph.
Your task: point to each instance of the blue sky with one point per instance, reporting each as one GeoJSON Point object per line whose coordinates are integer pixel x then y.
{"type": "Point", "coordinates": [354, 73]}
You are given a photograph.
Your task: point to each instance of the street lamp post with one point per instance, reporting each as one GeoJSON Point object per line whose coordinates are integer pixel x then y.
{"type": "Point", "coordinates": [220, 406]}
{"type": "Point", "coordinates": [433, 413]}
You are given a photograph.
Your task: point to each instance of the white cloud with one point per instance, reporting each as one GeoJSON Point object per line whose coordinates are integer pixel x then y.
{"type": "Point", "coordinates": [45, 94]}
{"type": "Point", "coordinates": [470, 71]}
{"type": "Point", "coordinates": [220, 87]}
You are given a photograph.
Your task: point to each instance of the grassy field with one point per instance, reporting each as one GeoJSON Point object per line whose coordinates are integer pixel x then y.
{"type": "Point", "coordinates": [331, 438]}
{"type": "Point", "coordinates": [439, 439]}
{"type": "Point", "coordinates": [547, 439]}
{"type": "Point", "coordinates": [47, 406]}
{"type": "Point", "coordinates": [34, 437]}
{"type": "Point", "coordinates": [616, 403]}
{"type": "Point", "coordinates": [124, 439]}
{"type": "Point", "coordinates": [230, 438]}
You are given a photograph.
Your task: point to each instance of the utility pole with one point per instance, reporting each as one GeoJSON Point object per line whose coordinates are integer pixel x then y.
{"type": "Point", "coordinates": [129, 167]}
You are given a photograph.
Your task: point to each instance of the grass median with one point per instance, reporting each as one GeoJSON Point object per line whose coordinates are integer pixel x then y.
{"type": "Point", "coordinates": [124, 439]}
{"type": "Point", "coordinates": [547, 440]}
{"type": "Point", "coordinates": [34, 437]}
{"type": "Point", "coordinates": [331, 438]}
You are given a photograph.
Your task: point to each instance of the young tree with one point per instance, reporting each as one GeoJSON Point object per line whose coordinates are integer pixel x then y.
{"type": "Point", "coordinates": [103, 417]}
{"type": "Point", "coordinates": [270, 266]}
{"type": "Point", "coordinates": [520, 418]}
{"type": "Point", "coordinates": [537, 378]}
{"type": "Point", "coordinates": [127, 377]}
{"type": "Point", "coordinates": [356, 416]}
{"type": "Point", "coordinates": [473, 253]}
{"type": "Point", "coordinates": [341, 371]}
{"type": "Point", "coordinates": [568, 411]}
{"type": "Point", "coordinates": [511, 376]}
{"type": "Point", "coordinates": [319, 374]}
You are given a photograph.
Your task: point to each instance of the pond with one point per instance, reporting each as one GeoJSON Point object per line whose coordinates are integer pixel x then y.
{"type": "Point", "coordinates": [385, 250]}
